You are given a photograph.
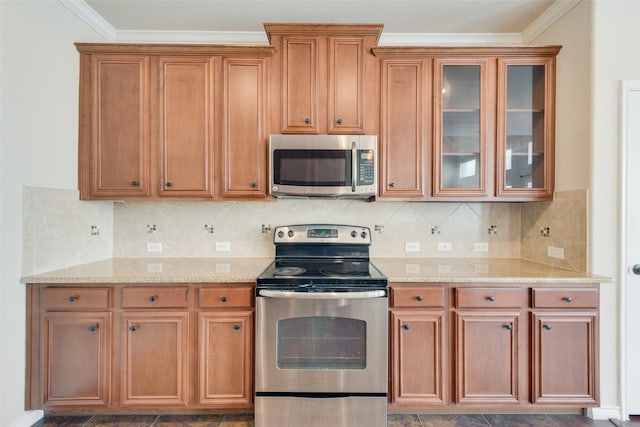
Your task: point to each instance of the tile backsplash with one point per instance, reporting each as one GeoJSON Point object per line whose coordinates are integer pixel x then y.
{"type": "Point", "coordinates": [57, 228]}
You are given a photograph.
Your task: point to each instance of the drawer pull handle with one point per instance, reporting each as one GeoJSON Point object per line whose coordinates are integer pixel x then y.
{"type": "Point", "coordinates": [406, 326]}
{"type": "Point", "coordinates": [93, 328]}
{"type": "Point", "coordinates": [72, 298]}
{"type": "Point", "coordinates": [236, 327]}
{"type": "Point", "coordinates": [133, 328]}
{"type": "Point", "coordinates": [568, 299]}
{"type": "Point", "coordinates": [168, 184]}
{"type": "Point", "coordinates": [392, 185]}
{"type": "Point", "coordinates": [224, 299]}
{"type": "Point", "coordinates": [547, 327]}
{"type": "Point", "coordinates": [419, 297]}
{"type": "Point", "coordinates": [491, 298]}
{"type": "Point", "coordinates": [152, 298]}
{"type": "Point", "coordinates": [508, 326]}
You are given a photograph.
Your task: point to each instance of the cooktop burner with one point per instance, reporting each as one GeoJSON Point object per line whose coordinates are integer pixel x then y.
{"type": "Point", "coordinates": [288, 271]}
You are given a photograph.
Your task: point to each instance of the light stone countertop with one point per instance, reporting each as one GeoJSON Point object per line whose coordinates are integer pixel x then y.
{"type": "Point", "coordinates": [245, 270]}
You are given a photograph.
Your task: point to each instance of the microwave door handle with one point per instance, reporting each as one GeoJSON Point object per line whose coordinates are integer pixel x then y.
{"type": "Point", "coordinates": [354, 166]}
{"type": "Point", "coordinates": [321, 295]}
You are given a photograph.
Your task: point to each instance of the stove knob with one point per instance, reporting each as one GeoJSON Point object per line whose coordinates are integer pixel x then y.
{"type": "Point", "coordinates": [281, 234]}
{"type": "Point", "coordinates": [290, 233]}
{"type": "Point", "coordinates": [354, 234]}
{"type": "Point", "coordinates": [363, 234]}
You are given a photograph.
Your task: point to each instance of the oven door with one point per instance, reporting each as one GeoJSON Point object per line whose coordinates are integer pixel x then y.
{"type": "Point", "coordinates": [321, 342]}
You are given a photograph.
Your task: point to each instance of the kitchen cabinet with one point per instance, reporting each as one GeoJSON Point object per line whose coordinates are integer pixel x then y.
{"type": "Point", "coordinates": [154, 124]}
{"type": "Point", "coordinates": [418, 341]}
{"type": "Point", "coordinates": [404, 128]}
{"type": "Point", "coordinates": [225, 347]}
{"type": "Point", "coordinates": [325, 77]}
{"type": "Point", "coordinates": [487, 345]}
{"type": "Point", "coordinates": [245, 135]}
{"type": "Point", "coordinates": [565, 340]}
{"type": "Point", "coordinates": [491, 134]}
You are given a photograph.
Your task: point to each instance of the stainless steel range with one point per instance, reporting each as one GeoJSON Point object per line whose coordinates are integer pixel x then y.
{"type": "Point", "coordinates": [321, 331]}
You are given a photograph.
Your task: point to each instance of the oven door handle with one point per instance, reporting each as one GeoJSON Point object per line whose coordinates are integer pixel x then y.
{"type": "Point", "coordinates": [322, 295]}
{"type": "Point", "coordinates": [354, 166]}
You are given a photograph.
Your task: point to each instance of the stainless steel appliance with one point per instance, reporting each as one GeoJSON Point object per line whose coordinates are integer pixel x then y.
{"type": "Point", "coordinates": [323, 165]}
{"type": "Point", "coordinates": [321, 331]}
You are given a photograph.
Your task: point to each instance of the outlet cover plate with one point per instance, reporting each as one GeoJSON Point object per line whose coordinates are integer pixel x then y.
{"type": "Point", "coordinates": [481, 247]}
{"type": "Point", "coordinates": [154, 247]}
{"type": "Point", "coordinates": [412, 246]}
{"type": "Point", "coordinates": [554, 252]}
{"type": "Point", "coordinates": [223, 246]}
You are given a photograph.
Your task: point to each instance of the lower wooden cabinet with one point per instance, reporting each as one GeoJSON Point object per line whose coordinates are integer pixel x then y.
{"type": "Point", "coordinates": [130, 348]}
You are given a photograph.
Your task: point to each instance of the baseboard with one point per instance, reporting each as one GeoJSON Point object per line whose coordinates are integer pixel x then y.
{"type": "Point", "coordinates": [29, 419]}
{"type": "Point", "coordinates": [604, 413]}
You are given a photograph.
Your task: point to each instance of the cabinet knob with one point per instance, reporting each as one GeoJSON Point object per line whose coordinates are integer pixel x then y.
{"type": "Point", "coordinates": [419, 297]}
{"type": "Point", "coordinates": [406, 326]}
{"type": "Point", "coordinates": [133, 328]}
{"type": "Point", "coordinates": [339, 121]}
{"type": "Point", "coordinates": [134, 183]}
{"type": "Point", "coordinates": [508, 326]}
{"type": "Point", "coordinates": [224, 299]}
{"type": "Point", "coordinates": [547, 327]}
{"type": "Point", "coordinates": [568, 299]}
{"type": "Point", "coordinates": [236, 327]}
{"type": "Point", "coordinates": [392, 184]}
{"type": "Point", "coordinates": [152, 298]}
{"type": "Point", "coordinates": [491, 298]}
{"type": "Point", "coordinates": [72, 298]}
{"type": "Point", "coordinates": [93, 328]}
{"type": "Point", "coordinates": [307, 120]}
{"type": "Point", "coordinates": [254, 185]}
{"type": "Point", "coordinates": [168, 184]}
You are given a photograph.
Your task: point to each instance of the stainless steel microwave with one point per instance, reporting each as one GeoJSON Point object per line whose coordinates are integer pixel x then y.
{"type": "Point", "coordinates": [323, 165]}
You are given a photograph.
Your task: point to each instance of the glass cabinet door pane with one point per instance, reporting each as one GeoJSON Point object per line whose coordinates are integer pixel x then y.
{"type": "Point", "coordinates": [460, 145]}
{"type": "Point", "coordinates": [525, 124]}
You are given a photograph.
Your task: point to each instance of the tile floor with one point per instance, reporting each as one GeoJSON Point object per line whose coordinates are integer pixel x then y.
{"type": "Point", "coordinates": [394, 420]}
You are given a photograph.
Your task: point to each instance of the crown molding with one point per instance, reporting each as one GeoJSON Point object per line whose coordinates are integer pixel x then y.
{"type": "Point", "coordinates": [557, 10]}
{"type": "Point", "coordinates": [212, 37]}
{"type": "Point", "coordinates": [444, 39]}
{"type": "Point", "coordinates": [92, 18]}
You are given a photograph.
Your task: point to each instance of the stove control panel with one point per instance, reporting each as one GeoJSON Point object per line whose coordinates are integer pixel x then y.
{"type": "Point", "coordinates": [322, 233]}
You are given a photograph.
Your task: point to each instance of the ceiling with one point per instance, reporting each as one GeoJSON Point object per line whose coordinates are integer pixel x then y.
{"type": "Point", "coordinates": [130, 18]}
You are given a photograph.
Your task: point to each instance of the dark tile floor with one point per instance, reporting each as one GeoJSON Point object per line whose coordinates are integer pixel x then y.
{"type": "Point", "coordinates": [394, 420]}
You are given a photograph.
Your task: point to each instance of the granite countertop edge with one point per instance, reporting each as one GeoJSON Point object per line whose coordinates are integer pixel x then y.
{"type": "Point", "coordinates": [245, 270]}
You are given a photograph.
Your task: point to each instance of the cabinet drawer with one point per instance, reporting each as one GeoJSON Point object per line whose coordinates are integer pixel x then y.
{"type": "Point", "coordinates": [488, 297]}
{"type": "Point", "coordinates": [152, 297]}
{"type": "Point", "coordinates": [417, 297]}
{"type": "Point", "coordinates": [225, 297]}
{"type": "Point", "coordinates": [565, 298]}
{"type": "Point", "coordinates": [71, 298]}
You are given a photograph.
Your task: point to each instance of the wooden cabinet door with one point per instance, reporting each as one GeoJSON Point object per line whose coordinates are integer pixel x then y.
{"type": "Point", "coordinates": [244, 142]}
{"type": "Point", "coordinates": [346, 85]}
{"type": "Point", "coordinates": [565, 358]}
{"type": "Point", "coordinates": [487, 357]}
{"type": "Point", "coordinates": [76, 352]}
{"type": "Point", "coordinates": [404, 129]}
{"type": "Point", "coordinates": [417, 355]}
{"type": "Point", "coordinates": [526, 128]}
{"type": "Point", "coordinates": [225, 356]}
{"type": "Point", "coordinates": [155, 358]}
{"type": "Point", "coordinates": [186, 128]}
{"type": "Point", "coordinates": [300, 56]}
{"type": "Point", "coordinates": [118, 158]}
{"type": "Point", "coordinates": [463, 132]}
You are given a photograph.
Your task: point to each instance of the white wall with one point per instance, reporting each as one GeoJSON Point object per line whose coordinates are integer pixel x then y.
{"type": "Point", "coordinates": [38, 147]}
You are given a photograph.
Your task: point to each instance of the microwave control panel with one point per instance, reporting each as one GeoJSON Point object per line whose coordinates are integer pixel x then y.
{"type": "Point", "coordinates": [366, 167]}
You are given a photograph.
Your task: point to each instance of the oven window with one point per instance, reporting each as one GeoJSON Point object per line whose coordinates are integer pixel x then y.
{"type": "Point", "coordinates": [312, 167]}
{"type": "Point", "coordinates": [321, 343]}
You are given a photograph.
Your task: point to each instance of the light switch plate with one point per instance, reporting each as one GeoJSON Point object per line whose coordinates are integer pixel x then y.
{"type": "Point", "coordinates": [412, 246]}
{"type": "Point", "coordinates": [554, 252]}
{"type": "Point", "coordinates": [223, 246]}
{"type": "Point", "coordinates": [481, 247]}
{"type": "Point", "coordinates": [154, 247]}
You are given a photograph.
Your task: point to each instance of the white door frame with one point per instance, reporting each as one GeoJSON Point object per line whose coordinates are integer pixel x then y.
{"type": "Point", "coordinates": [627, 86]}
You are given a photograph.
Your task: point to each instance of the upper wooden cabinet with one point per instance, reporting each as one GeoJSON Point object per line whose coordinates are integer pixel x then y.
{"type": "Point", "coordinates": [325, 77]}
{"type": "Point", "coordinates": [491, 134]}
{"type": "Point", "coordinates": [152, 119]}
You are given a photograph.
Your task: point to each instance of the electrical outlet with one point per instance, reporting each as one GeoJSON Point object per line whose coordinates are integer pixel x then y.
{"type": "Point", "coordinates": [412, 246]}
{"type": "Point", "coordinates": [444, 247]}
{"type": "Point", "coordinates": [154, 247]}
{"type": "Point", "coordinates": [554, 252]}
{"type": "Point", "coordinates": [223, 246]}
{"type": "Point", "coordinates": [481, 247]}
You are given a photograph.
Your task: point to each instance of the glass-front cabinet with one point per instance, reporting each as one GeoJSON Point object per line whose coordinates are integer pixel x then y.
{"type": "Point", "coordinates": [462, 115]}
{"type": "Point", "coordinates": [525, 128]}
